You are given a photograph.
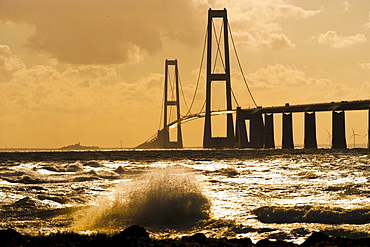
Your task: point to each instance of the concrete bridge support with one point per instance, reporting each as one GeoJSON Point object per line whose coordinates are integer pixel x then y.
{"type": "Point", "coordinates": [310, 130]}
{"type": "Point", "coordinates": [241, 136]}
{"type": "Point", "coordinates": [338, 130]}
{"type": "Point", "coordinates": [256, 131]}
{"type": "Point", "coordinates": [269, 131]}
{"type": "Point", "coordinates": [287, 130]}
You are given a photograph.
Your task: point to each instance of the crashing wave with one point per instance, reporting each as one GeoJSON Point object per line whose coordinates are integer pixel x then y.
{"type": "Point", "coordinates": [165, 197]}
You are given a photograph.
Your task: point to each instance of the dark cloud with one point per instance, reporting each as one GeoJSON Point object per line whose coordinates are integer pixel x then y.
{"type": "Point", "coordinates": [104, 31]}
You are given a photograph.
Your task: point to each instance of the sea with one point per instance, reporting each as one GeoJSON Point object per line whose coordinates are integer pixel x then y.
{"type": "Point", "coordinates": [233, 193]}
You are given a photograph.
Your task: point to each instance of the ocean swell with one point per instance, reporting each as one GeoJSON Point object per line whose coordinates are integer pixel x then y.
{"type": "Point", "coordinates": [312, 214]}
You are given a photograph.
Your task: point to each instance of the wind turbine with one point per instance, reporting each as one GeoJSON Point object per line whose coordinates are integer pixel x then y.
{"type": "Point", "coordinates": [328, 139]}
{"type": "Point", "coordinates": [354, 137]}
{"type": "Point", "coordinates": [368, 144]}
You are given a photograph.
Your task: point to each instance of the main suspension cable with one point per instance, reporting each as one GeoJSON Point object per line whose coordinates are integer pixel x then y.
{"type": "Point", "coordinates": [219, 52]}
{"type": "Point", "coordinates": [236, 101]}
{"type": "Point", "coordinates": [160, 119]}
{"type": "Point", "coordinates": [182, 93]}
{"type": "Point", "coordinates": [241, 70]}
{"type": "Point", "coordinates": [218, 47]}
{"type": "Point", "coordinates": [199, 73]}
{"type": "Point", "coordinates": [172, 95]}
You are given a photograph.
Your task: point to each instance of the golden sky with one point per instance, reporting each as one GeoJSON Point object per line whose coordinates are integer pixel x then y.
{"type": "Point", "coordinates": [92, 71]}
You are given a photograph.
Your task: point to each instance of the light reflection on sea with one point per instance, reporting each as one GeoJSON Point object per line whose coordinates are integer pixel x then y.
{"type": "Point", "coordinates": [40, 190]}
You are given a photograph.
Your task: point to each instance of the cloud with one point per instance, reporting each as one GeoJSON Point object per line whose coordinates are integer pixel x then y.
{"type": "Point", "coordinates": [334, 40]}
{"type": "Point", "coordinates": [256, 23]}
{"type": "Point", "coordinates": [72, 89]}
{"type": "Point", "coordinates": [87, 75]}
{"type": "Point", "coordinates": [103, 31]}
{"type": "Point", "coordinates": [367, 25]}
{"type": "Point", "coordinates": [264, 13]}
{"type": "Point", "coordinates": [115, 31]}
{"type": "Point", "coordinates": [9, 63]}
{"type": "Point", "coordinates": [365, 66]}
{"type": "Point", "coordinates": [148, 89]}
{"type": "Point", "coordinates": [344, 92]}
{"type": "Point", "coordinates": [346, 6]}
{"type": "Point", "coordinates": [365, 89]}
{"type": "Point", "coordinates": [263, 40]}
{"type": "Point", "coordinates": [339, 92]}
{"type": "Point", "coordinates": [281, 76]}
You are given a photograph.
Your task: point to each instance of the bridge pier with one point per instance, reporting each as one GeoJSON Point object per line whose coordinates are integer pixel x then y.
{"type": "Point", "coordinates": [287, 130]}
{"type": "Point", "coordinates": [269, 131]}
{"type": "Point", "coordinates": [256, 131]}
{"type": "Point", "coordinates": [338, 130]}
{"type": "Point", "coordinates": [241, 135]}
{"type": "Point", "coordinates": [310, 130]}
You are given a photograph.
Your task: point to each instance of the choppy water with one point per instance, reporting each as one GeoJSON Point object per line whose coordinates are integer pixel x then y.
{"type": "Point", "coordinates": [224, 193]}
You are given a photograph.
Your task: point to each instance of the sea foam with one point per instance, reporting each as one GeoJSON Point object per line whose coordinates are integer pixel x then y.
{"type": "Point", "coordinates": [166, 197]}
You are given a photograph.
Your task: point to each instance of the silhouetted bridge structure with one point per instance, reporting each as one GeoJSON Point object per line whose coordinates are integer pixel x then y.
{"type": "Point", "coordinates": [261, 119]}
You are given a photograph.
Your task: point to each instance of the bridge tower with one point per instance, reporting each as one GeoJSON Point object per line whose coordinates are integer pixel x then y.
{"type": "Point", "coordinates": [208, 140]}
{"type": "Point", "coordinates": [164, 134]}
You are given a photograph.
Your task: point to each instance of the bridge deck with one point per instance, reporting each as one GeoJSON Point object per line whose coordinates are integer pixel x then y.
{"type": "Point", "coordinates": [332, 106]}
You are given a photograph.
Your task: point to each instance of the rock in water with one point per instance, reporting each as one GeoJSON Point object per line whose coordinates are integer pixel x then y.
{"type": "Point", "coordinates": [120, 170]}
{"type": "Point", "coordinates": [134, 231]}
{"type": "Point", "coordinates": [196, 238]}
{"type": "Point", "coordinates": [10, 237]}
{"type": "Point", "coordinates": [317, 238]}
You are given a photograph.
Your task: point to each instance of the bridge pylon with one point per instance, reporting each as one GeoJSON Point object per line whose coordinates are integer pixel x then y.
{"type": "Point", "coordinates": [208, 140]}
{"type": "Point", "coordinates": [164, 140]}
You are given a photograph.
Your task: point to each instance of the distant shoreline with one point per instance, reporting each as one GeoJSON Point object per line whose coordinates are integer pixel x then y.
{"type": "Point", "coordinates": [298, 147]}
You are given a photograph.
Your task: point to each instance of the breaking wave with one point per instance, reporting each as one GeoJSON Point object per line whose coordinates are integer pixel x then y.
{"type": "Point", "coordinates": [165, 197]}
{"type": "Point", "coordinates": [312, 214]}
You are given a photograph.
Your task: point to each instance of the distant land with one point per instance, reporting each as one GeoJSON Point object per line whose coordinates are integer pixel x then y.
{"type": "Point", "coordinates": [78, 146]}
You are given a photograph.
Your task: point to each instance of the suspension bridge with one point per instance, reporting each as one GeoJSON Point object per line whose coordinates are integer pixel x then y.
{"type": "Point", "coordinates": [261, 119]}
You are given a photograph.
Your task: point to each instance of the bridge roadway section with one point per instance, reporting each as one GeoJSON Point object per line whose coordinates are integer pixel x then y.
{"type": "Point", "coordinates": [262, 132]}
{"type": "Point", "coordinates": [332, 106]}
